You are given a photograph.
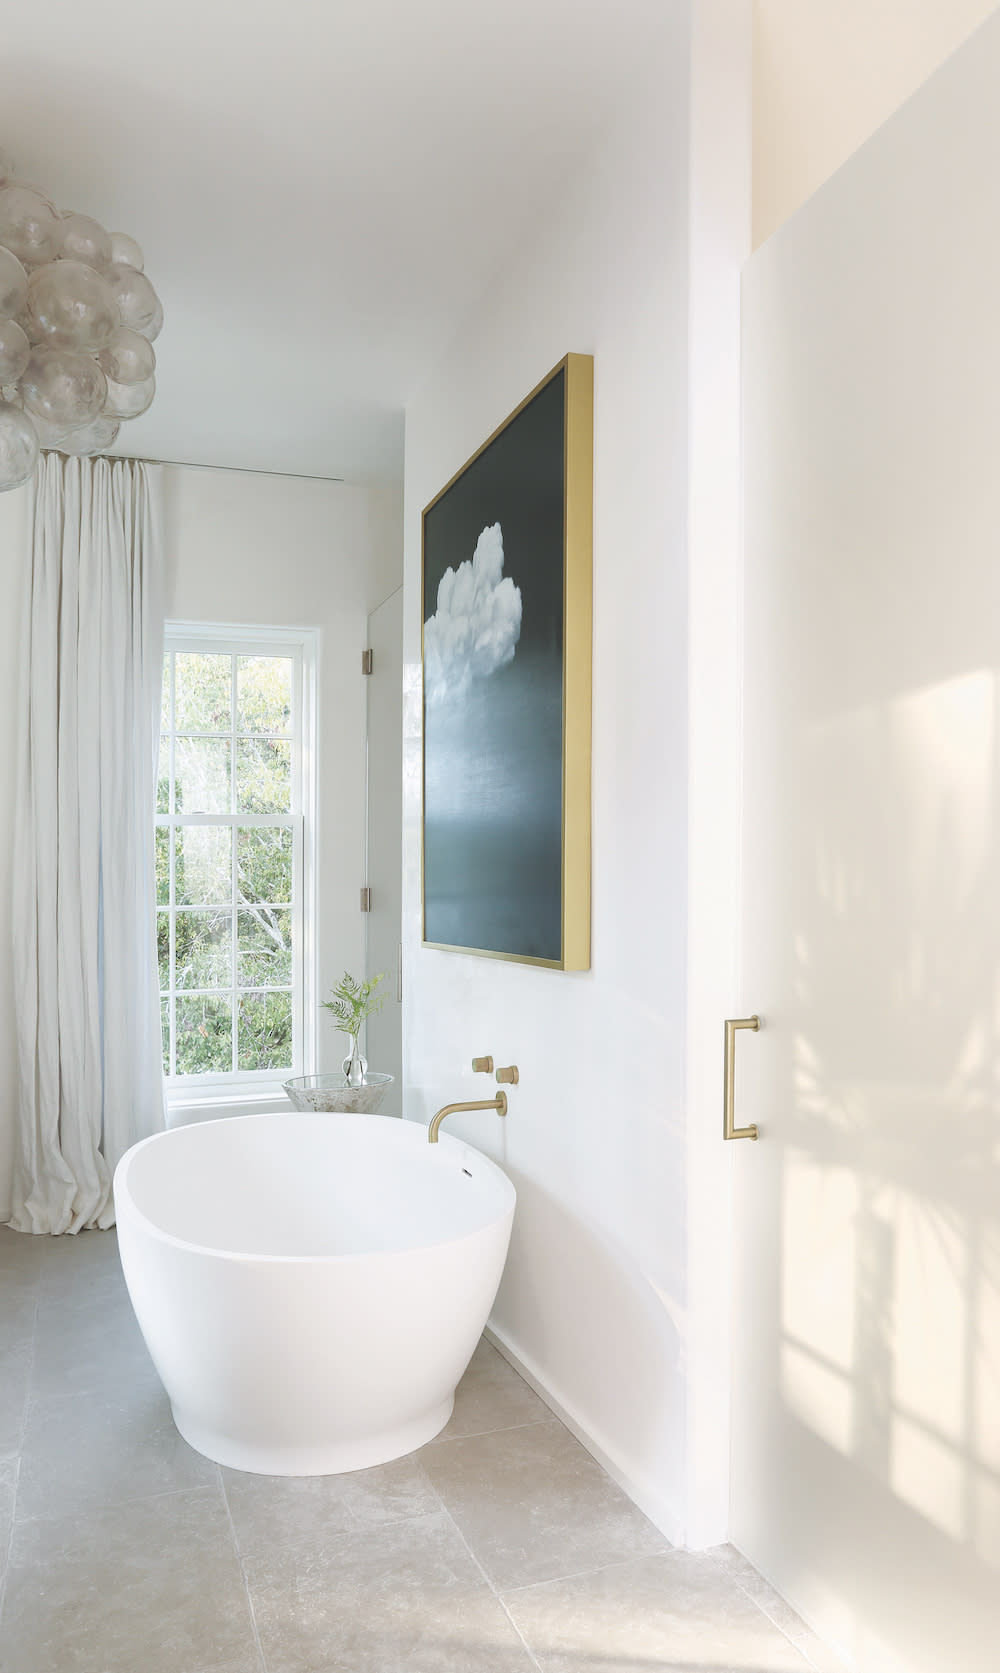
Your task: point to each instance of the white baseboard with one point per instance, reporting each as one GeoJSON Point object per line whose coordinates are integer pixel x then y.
{"type": "Point", "coordinates": [662, 1515]}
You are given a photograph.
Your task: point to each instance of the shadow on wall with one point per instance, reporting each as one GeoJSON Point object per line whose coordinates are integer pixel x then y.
{"type": "Point", "coordinates": [593, 1293]}
{"type": "Point", "coordinates": [888, 1313]}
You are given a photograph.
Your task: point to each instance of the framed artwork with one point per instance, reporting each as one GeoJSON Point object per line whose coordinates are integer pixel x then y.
{"type": "Point", "coordinates": [507, 627]}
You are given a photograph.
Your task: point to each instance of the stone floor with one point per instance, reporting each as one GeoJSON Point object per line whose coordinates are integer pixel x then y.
{"type": "Point", "coordinates": [501, 1547]}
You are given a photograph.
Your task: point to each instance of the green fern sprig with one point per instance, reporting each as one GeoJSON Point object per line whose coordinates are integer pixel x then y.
{"type": "Point", "coordinates": [352, 1002]}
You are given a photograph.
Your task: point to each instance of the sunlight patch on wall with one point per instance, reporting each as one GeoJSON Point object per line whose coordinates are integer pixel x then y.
{"type": "Point", "coordinates": [930, 1315]}
{"type": "Point", "coordinates": [986, 1521]}
{"type": "Point", "coordinates": [819, 1257]}
{"type": "Point", "coordinates": [819, 1396]}
{"type": "Point", "coordinates": [942, 743]}
{"type": "Point", "coordinates": [986, 1376]}
{"type": "Point", "coordinates": [928, 1474]}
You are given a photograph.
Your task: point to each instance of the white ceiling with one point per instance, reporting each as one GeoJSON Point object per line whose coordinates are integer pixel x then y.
{"type": "Point", "coordinates": [320, 187]}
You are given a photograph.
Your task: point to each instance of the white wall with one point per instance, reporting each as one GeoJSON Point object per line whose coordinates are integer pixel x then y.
{"type": "Point", "coordinates": [384, 568]}
{"type": "Point", "coordinates": [720, 172]}
{"type": "Point", "coordinates": [867, 1479]}
{"type": "Point", "coordinates": [827, 73]}
{"type": "Point", "coordinates": [243, 547]}
{"type": "Point", "coordinates": [594, 1301]}
{"type": "Point", "coordinates": [277, 550]}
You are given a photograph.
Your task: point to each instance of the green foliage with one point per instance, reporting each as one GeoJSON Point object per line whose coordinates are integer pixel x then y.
{"type": "Point", "coordinates": [208, 911]}
{"type": "Point", "coordinates": [264, 1039]}
{"type": "Point", "coordinates": [353, 1001]}
{"type": "Point", "coordinates": [204, 1034]}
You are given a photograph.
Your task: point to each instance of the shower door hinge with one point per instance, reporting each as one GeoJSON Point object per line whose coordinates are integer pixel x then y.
{"type": "Point", "coordinates": [366, 900]}
{"type": "Point", "coordinates": [367, 662]}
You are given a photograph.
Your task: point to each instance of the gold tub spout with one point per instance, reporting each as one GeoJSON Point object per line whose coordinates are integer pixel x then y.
{"type": "Point", "coordinates": [499, 1103]}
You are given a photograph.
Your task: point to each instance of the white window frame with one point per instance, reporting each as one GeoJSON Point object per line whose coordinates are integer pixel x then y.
{"type": "Point", "coordinates": [301, 645]}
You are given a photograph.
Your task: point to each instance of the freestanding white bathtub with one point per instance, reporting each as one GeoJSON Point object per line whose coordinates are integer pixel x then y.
{"type": "Point", "coordinates": [311, 1287]}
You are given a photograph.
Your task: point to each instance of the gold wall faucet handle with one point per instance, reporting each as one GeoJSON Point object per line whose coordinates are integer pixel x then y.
{"type": "Point", "coordinates": [482, 1065]}
{"type": "Point", "coordinates": [509, 1075]}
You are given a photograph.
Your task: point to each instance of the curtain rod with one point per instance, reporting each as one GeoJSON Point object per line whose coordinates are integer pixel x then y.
{"type": "Point", "coordinates": [240, 470]}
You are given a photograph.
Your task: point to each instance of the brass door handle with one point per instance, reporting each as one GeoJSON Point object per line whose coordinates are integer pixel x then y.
{"type": "Point", "coordinates": [729, 1129]}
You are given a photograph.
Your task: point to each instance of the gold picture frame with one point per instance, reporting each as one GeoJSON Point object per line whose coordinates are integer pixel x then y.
{"type": "Point", "coordinates": [506, 649]}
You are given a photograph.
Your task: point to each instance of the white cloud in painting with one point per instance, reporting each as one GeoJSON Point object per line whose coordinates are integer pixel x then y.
{"type": "Point", "coordinates": [477, 623]}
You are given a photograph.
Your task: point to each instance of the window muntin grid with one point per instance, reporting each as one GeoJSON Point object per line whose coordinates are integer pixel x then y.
{"type": "Point", "coordinates": [236, 971]}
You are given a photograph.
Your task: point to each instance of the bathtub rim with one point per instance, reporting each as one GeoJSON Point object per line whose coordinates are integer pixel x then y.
{"type": "Point", "coordinates": [123, 1199]}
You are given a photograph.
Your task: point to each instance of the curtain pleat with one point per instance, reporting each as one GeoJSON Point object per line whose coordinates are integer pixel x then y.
{"type": "Point", "coordinates": [88, 1027]}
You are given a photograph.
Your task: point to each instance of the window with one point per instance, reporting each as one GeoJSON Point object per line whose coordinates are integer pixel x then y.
{"type": "Point", "coordinates": [232, 842]}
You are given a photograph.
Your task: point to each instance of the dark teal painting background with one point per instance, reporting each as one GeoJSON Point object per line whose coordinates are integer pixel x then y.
{"type": "Point", "coordinates": [493, 754]}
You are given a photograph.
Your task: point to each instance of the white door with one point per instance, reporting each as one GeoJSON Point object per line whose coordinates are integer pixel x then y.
{"type": "Point", "coordinates": [384, 1048]}
{"type": "Point", "coordinates": [866, 1443]}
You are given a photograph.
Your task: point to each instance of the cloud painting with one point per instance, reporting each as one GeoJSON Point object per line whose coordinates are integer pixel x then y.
{"type": "Point", "coordinates": [477, 623]}
{"type": "Point", "coordinates": [494, 619]}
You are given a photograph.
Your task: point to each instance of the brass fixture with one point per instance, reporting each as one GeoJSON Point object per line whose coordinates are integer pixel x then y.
{"type": "Point", "coordinates": [510, 1076]}
{"type": "Point", "coordinates": [729, 1128]}
{"type": "Point", "coordinates": [499, 1103]}
{"type": "Point", "coordinates": [482, 1065]}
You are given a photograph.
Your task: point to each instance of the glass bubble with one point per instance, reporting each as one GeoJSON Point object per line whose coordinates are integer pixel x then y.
{"type": "Point", "coordinates": [29, 186]}
{"type": "Point", "coordinates": [49, 435]}
{"type": "Point", "coordinates": [128, 357]}
{"type": "Point", "coordinates": [155, 326]}
{"type": "Point", "coordinates": [13, 285]}
{"type": "Point", "coordinates": [29, 326]}
{"type": "Point", "coordinates": [29, 226]}
{"type": "Point", "coordinates": [92, 438]}
{"type": "Point", "coordinates": [65, 386]}
{"type": "Point", "coordinates": [71, 305]}
{"type": "Point", "coordinates": [15, 351]}
{"type": "Point", "coordinates": [125, 252]}
{"type": "Point", "coordinates": [18, 448]}
{"type": "Point", "coordinates": [84, 239]}
{"type": "Point", "coordinates": [138, 303]}
{"type": "Point", "coordinates": [129, 400]}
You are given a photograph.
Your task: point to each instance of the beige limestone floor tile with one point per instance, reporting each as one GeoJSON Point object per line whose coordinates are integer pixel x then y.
{"type": "Point", "coordinates": [19, 1282]}
{"type": "Point", "coordinates": [18, 1305]}
{"type": "Point", "coordinates": [18, 1247]}
{"type": "Point", "coordinates": [491, 1396]}
{"type": "Point", "coordinates": [89, 1345]}
{"type": "Point", "coordinates": [737, 1567]}
{"type": "Point", "coordinates": [309, 1511]}
{"type": "Point", "coordinates": [80, 1251]}
{"type": "Point", "coordinates": [86, 1264]}
{"type": "Point", "coordinates": [406, 1598]}
{"type": "Point", "coordinates": [82, 1452]}
{"type": "Point", "coordinates": [149, 1587]}
{"type": "Point", "coordinates": [8, 1487]}
{"type": "Point", "coordinates": [534, 1505]}
{"type": "Point", "coordinates": [675, 1613]}
{"type": "Point", "coordinates": [15, 1382]}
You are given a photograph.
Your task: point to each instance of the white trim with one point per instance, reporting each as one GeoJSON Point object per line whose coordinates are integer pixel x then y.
{"type": "Point", "coordinates": [268, 1098]}
{"type": "Point", "coordinates": [268, 1091]}
{"type": "Point", "coordinates": [662, 1515]}
{"type": "Point", "coordinates": [307, 947]}
{"type": "Point", "coordinates": [211, 1093]}
{"type": "Point", "coordinates": [195, 635]}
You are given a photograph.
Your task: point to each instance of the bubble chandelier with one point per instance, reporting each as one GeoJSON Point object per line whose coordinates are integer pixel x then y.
{"type": "Point", "coordinates": [78, 319]}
